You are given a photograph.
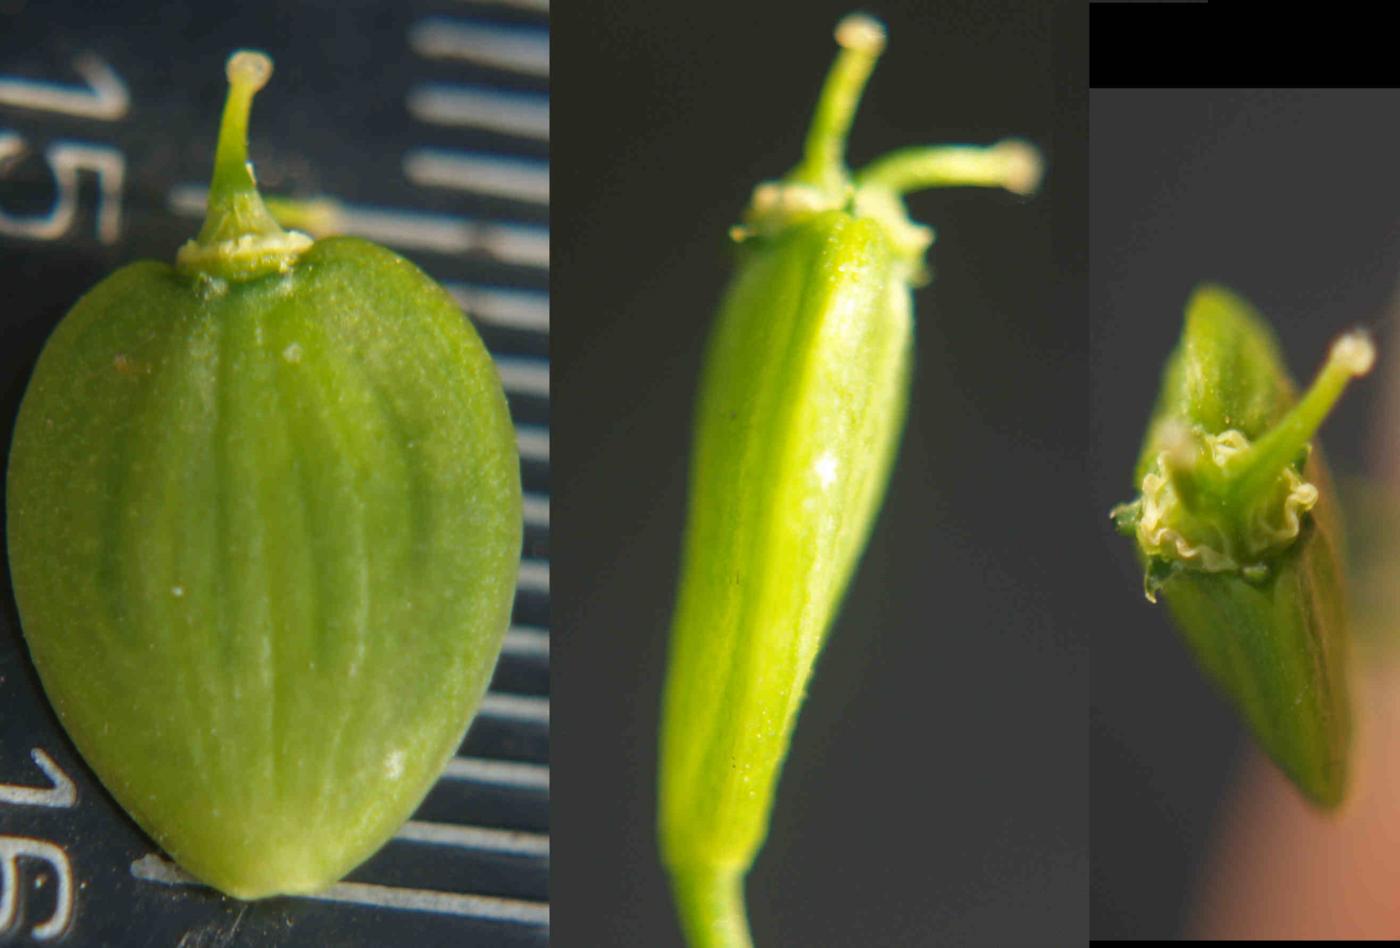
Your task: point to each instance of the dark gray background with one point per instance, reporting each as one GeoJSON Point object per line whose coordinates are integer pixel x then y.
{"type": "Point", "coordinates": [937, 788]}
{"type": "Point", "coordinates": [1291, 199]}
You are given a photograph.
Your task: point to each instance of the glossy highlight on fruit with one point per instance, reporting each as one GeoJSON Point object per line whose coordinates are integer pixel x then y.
{"type": "Point", "coordinates": [1238, 528]}
{"type": "Point", "coordinates": [264, 524]}
{"type": "Point", "coordinates": [802, 399]}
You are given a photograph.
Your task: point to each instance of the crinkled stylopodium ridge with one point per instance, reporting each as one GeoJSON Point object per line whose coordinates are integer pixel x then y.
{"type": "Point", "coordinates": [1166, 529]}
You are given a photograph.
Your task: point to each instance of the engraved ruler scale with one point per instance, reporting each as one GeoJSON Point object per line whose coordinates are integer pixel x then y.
{"type": "Point", "coordinates": [425, 125]}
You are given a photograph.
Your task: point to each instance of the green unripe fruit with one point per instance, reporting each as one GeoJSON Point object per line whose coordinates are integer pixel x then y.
{"type": "Point", "coordinates": [264, 528]}
{"type": "Point", "coordinates": [1238, 528]}
{"type": "Point", "coordinates": [801, 403]}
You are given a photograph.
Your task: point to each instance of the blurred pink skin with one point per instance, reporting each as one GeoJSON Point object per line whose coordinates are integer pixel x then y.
{"type": "Point", "coordinates": [1282, 869]}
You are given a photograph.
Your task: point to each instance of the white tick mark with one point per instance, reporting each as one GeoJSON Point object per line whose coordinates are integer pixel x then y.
{"type": "Point", "coordinates": [292, 353]}
{"type": "Point", "coordinates": [393, 765]}
{"type": "Point", "coordinates": [177, 591]}
{"type": "Point", "coordinates": [825, 469]}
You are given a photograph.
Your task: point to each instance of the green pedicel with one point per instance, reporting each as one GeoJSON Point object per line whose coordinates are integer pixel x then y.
{"type": "Point", "coordinates": [1238, 529]}
{"type": "Point", "coordinates": [802, 400]}
{"type": "Point", "coordinates": [264, 528]}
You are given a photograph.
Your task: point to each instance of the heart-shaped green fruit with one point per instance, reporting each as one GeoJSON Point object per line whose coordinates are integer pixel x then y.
{"type": "Point", "coordinates": [264, 527]}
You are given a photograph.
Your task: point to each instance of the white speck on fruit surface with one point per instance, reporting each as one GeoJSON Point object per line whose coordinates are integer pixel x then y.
{"type": "Point", "coordinates": [292, 353]}
{"type": "Point", "coordinates": [393, 765]}
{"type": "Point", "coordinates": [208, 287]}
{"type": "Point", "coordinates": [177, 591]}
{"type": "Point", "coordinates": [825, 469]}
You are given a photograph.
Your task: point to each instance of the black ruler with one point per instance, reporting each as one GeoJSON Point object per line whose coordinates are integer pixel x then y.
{"type": "Point", "coordinates": [427, 125]}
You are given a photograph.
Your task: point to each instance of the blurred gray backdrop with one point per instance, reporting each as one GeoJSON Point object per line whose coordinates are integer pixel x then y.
{"type": "Point", "coordinates": [1293, 200]}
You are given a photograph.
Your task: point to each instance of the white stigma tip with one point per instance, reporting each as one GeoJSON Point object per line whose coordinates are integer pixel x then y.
{"type": "Point", "coordinates": [1023, 167]}
{"type": "Point", "coordinates": [1355, 352]}
{"type": "Point", "coordinates": [862, 33]}
{"type": "Point", "coordinates": [250, 68]}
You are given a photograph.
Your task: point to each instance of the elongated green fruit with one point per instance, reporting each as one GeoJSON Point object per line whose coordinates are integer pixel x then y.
{"type": "Point", "coordinates": [801, 404]}
{"type": "Point", "coordinates": [264, 527]}
{"type": "Point", "coordinates": [1237, 525]}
